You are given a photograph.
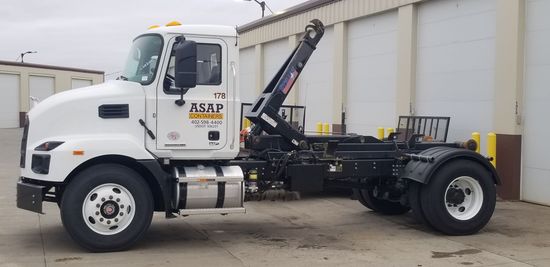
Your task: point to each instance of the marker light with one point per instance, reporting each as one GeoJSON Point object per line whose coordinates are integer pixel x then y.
{"type": "Point", "coordinates": [173, 23]}
{"type": "Point", "coordinates": [153, 27]}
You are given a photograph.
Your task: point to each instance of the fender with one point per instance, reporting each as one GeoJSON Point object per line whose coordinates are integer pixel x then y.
{"type": "Point", "coordinates": [92, 146]}
{"type": "Point", "coordinates": [98, 149]}
{"type": "Point", "coordinates": [422, 171]}
{"type": "Point", "coordinates": [166, 183]}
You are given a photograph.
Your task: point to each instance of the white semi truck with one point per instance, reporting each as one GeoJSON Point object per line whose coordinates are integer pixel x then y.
{"type": "Point", "coordinates": [165, 137]}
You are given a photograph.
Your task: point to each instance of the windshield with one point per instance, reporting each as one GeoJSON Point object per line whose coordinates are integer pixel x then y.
{"type": "Point", "coordinates": [142, 61]}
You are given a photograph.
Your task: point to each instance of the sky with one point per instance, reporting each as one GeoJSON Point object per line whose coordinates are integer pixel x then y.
{"type": "Point", "coordinates": [96, 34]}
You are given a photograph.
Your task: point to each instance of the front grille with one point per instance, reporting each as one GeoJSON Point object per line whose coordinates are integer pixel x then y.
{"type": "Point", "coordinates": [24, 142]}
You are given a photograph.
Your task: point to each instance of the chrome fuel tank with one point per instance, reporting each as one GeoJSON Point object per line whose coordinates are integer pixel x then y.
{"type": "Point", "coordinates": [209, 189]}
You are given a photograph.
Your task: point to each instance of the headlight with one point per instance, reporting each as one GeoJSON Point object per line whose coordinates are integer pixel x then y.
{"type": "Point", "coordinates": [47, 146]}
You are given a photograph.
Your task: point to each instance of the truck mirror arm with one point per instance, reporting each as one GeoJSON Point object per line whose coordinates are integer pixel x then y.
{"type": "Point", "coordinates": [180, 102]}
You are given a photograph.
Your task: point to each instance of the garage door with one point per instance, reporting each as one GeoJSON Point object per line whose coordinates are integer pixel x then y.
{"type": "Point", "coordinates": [9, 102]}
{"type": "Point", "coordinates": [275, 54]}
{"type": "Point", "coordinates": [536, 163]}
{"type": "Point", "coordinates": [77, 83]}
{"type": "Point", "coordinates": [372, 68]}
{"type": "Point", "coordinates": [41, 87]}
{"type": "Point", "coordinates": [316, 83]}
{"type": "Point", "coordinates": [247, 75]}
{"type": "Point", "coordinates": [455, 64]}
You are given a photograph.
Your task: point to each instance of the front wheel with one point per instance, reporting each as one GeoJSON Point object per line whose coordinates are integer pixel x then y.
{"type": "Point", "coordinates": [107, 207]}
{"type": "Point", "coordinates": [460, 198]}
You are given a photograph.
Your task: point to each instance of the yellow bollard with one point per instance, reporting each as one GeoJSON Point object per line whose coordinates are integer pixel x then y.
{"type": "Point", "coordinates": [492, 147]}
{"type": "Point", "coordinates": [246, 123]}
{"type": "Point", "coordinates": [477, 137]}
{"type": "Point", "coordinates": [326, 128]}
{"type": "Point", "coordinates": [380, 133]}
{"type": "Point", "coordinates": [319, 128]}
{"type": "Point", "coordinates": [390, 130]}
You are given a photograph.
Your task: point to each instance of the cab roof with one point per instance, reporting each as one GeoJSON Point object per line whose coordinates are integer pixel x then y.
{"type": "Point", "coordinates": [211, 30]}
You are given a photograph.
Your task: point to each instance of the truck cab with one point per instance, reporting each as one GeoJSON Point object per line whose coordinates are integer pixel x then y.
{"type": "Point", "coordinates": [143, 121]}
{"type": "Point", "coordinates": [205, 124]}
{"type": "Point", "coordinates": [140, 115]}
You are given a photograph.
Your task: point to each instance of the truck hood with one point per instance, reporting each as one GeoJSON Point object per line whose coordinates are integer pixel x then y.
{"type": "Point", "coordinates": [75, 112]}
{"type": "Point", "coordinates": [108, 92]}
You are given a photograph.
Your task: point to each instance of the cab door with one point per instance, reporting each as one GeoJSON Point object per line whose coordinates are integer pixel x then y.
{"type": "Point", "coordinates": [201, 122]}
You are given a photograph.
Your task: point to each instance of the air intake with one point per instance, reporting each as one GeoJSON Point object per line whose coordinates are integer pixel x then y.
{"type": "Point", "coordinates": [114, 111]}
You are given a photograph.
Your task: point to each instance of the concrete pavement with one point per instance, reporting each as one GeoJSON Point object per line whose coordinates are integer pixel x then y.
{"type": "Point", "coordinates": [318, 230]}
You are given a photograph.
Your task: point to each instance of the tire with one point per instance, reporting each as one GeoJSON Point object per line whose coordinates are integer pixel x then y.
{"type": "Point", "coordinates": [107, 207]}
{"type": "Point", "coordinates": [414, 201]}
{"type": "Point", "coordinates": [460, 198]}
{"type": "Point", "coordinates": [368, 200]}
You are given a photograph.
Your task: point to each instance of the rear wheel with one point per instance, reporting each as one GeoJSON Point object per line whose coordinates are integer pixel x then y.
{"type": "Point", "coordinates": [367, 198]}
{"type": "Point", "coordinates": [460, 198]}
{"type": "Point", "coordinates": [107, 207]}
{"type": "Point", "coordinates": [415, 189]}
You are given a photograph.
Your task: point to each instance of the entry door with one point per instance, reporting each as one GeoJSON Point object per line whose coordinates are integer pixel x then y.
{"type": "Point", "coordinates": [201, 123]}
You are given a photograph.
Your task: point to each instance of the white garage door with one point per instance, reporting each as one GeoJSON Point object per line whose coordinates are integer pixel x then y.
{"type": "Point", "coordinates": [455, 67]}
{"type": "Point", "coordinates": [275, 54]}
{"type": "Point", "coordinates": [315, 83]}
{"type": "Point", "coordinates": [9, 102]}
{"type": "Point", "coordinates": [372, 67]}
{"type": "Point", "coordinates": [41, 87]}
{"type": "Point", "coordinates": [77, 83]}
{"type": "Point", "coordinates": [536, 163]}
{"type": "Point", "coordinates": [247, 75]}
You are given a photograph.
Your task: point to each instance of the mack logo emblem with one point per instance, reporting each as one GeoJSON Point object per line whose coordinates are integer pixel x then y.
{"type": "Point", "coordinates": [173, 136]}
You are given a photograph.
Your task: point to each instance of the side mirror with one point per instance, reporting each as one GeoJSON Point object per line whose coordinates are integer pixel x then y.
{"type": "Point", "coordinates": [186, 64]}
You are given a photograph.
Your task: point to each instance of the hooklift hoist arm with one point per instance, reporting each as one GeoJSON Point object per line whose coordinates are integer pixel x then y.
{"type": "Point", "coordinates": [265, 110]}
{"type": "Point", "coordinates": [285, 154]}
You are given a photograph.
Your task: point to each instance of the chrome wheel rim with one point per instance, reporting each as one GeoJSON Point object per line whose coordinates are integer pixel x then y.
{"type": "Point", "coordinates": [108, 209]}
{"type": "Point", "coordinates": [463, 198]}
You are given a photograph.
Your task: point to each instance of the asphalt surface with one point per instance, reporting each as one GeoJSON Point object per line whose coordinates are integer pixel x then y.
{"type": "Point", "coordinates": [318, 230]}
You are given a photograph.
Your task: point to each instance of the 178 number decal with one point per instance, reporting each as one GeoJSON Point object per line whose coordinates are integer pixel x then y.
{"type": "Point", "coordinates": [219, 95]}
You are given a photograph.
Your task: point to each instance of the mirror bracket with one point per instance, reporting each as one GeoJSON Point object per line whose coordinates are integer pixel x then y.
{"type": "Point", "coordinates": [180, 102]}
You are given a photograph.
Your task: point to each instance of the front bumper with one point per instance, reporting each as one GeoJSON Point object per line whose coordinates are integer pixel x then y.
{"type": "Point", "coordinates": [30, 196]}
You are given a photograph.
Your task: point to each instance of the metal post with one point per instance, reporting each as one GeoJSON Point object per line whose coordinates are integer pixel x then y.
{"type": "Point", "coordinates": [380, 133]}
{"type": "Point", "coordinates": [477, 137]}
{"type": "Point", "coordinates": [23, 55]}
{"type": "Point", "coordinates": [319, 128]}
{"type": "Point", "coordinates": [326, 128]}
{"type": "Point", "coordinates": [492, 148]}
{"type": "Point", "coordinates": [262, 5]}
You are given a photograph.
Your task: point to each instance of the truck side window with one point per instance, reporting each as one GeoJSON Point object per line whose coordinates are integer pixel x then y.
{"type": "Point", "coordinates": [208, 67]}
